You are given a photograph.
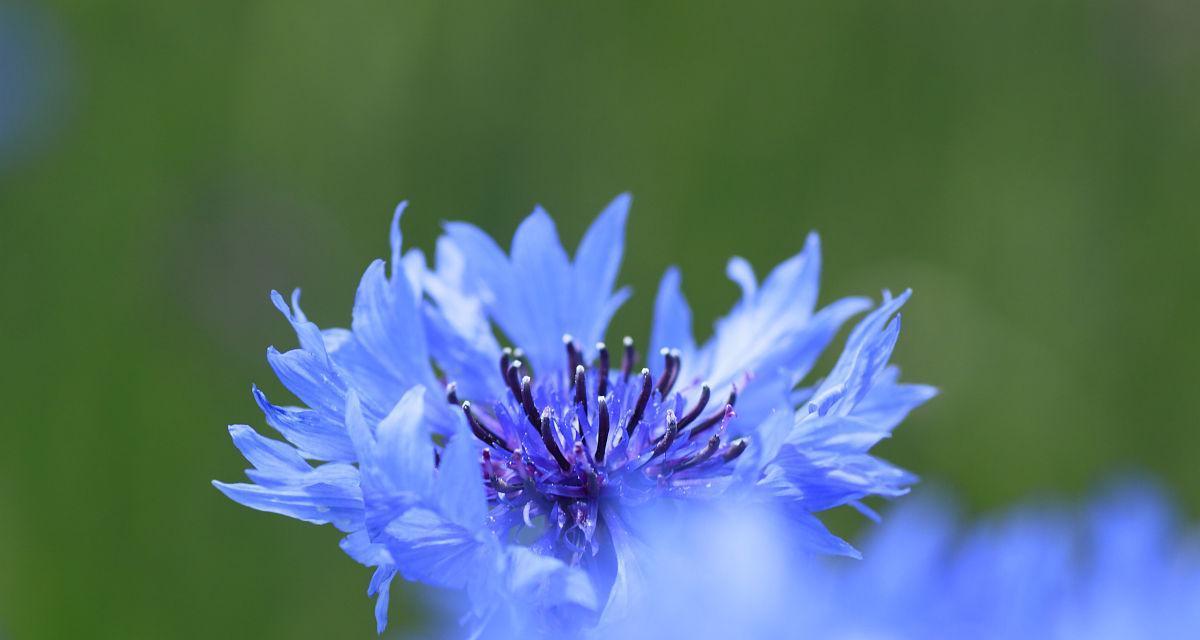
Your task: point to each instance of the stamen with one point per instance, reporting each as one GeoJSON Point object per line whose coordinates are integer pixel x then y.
{"type": "Point", "coordinates": [531, 411]}
{"type": "Point", "coordinates": [512, 377]}
{"type": "Point", "coordinates": [506, 355]}
{"type": "Point", "coordinates": [668, 365]}
{"type": "Point", "coordinates": [712, 420]}
{"type": "Point", "coordinates": [690, 416]}
{"type": "Point", "coordinates": [668, 439]}
{"type": "Point", "coordinates": [482, 432]}
{"type": "Point", "coordinates": [548, 440]}
{"type": "Point", "coordinates": [581, 387]}
{"type": "Point", "coordinates": [452, 393]}
{"type": "Point", "coordinates": [602, 431]}
{"type": "Point", "coordinates": [602, 385]}
{"type": "Point", "coordinates": [627, 359]}
{"type": "Point", "coordinates": [640, 407]}
{"type": "Point", "coordinates": [704, 454]}
{"type": "Point", "coordinates": [734, 450]}
{"type": "Point", "coordinates": [573, 357]}
{"type": "Point", "coordinates": [678, 366]}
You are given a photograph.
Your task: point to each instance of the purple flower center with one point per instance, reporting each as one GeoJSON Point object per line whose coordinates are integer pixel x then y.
{"type": "Point", "coordinates": [559, 445]}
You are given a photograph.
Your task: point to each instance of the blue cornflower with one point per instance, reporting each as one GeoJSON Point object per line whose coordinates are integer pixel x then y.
{"type": "Point", "coordinates": [1119, 568]}
{"type": "Point", "coordinates": [520, 474]}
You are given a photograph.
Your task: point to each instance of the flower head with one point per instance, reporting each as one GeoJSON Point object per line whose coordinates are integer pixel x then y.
{"type": "Point", "coordinates": [518, 472]}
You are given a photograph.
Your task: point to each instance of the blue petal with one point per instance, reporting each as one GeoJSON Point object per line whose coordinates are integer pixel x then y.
{"type": "Point", "coordinates": [597, 262]}
{"type": "Point", "coordinates": [306, 332]}
{"type": "Point", "coordinates": [547, 582]}
{"type": "Point", "coordinates": [459, 490]}
{"type": "Point", "coordinates": [388, 324]}
{"type": "Point", "coordinates": [272, 458]}
{"type": "Point", "coordinates": [315, 435]}
{"type": "Point", "coordinates": [310, 378]}
{"type": "Point", "coordinates": [377, 387]}
{"type": "Point", "coordinates": [429, 548]}
{"type": "Point", "coordinates": [810, 534]}
{"type": "Point", "coordinates": [488, 272]}
{"type": "Point", "coordinates": [381, 587]}
{"type": "Point", "coordinates": [820, 480]}
{"type": "Point", "coordinates": [397, 459]}
{"type": "Point", "coordinates": [772, 331]}
{"type": "Point", "coordinates": [395, 239]}
{"type": "Point", "coordinates": [889, 402]}
{"type": "Point", "coordinates": [359, 546]}
{"type": "Point", "coordinates": [740, 271]}
{"type": "Point", "coordinates": [339, 505]}
{"type": "Point", "coordinates": [672, 318]}
{"type": "Point", "coordinates": [461, 338]}
{"type": "Point", "coordinates": [863, 360]}
{"type": "Point", "coordinates": [541, 267]}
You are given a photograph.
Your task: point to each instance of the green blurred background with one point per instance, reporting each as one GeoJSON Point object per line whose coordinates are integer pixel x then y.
{"type": "Point", "coordinates": [1030, 169]}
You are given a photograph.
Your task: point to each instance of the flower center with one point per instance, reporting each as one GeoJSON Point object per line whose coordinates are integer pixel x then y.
{"type": "Point", "coordinates": [559, 446]}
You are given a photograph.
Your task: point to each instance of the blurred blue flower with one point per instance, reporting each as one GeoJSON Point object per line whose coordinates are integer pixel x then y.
{"type": "Point", "coordinates": [522, 475]}
{"type": "Point", "coordinates": [32, 80]}
{"type": "Point", "coordinates": [1119, 569]}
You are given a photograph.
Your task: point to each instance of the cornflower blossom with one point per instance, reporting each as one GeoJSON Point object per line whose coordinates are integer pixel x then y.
{"type": "Point", "coordinates": [519, 473]}
{"type": "Point", "coordinates": [1121, 567]}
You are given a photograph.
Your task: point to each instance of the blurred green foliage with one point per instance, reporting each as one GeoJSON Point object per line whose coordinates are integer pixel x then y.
{"type": "Point", "coordinates": [1029, 168]}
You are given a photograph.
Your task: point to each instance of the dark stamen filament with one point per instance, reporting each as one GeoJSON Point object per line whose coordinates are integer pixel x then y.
{"type": "Point", "coordinates": [640, 407]}
{"type": "Point", "coordinates": [602, 431]}
{"type": "Point", "coordinates": [712, 420]}
{"type": "Point", "coordinates": [665, 378]}
{"type": "Point", "coordinates": [678, 366]}
{"type": "Point", "coordinates": [548, 440]}
{"type": "Point", "coordinates": [482, 432]}
{"type": "Point", "coordinates": [704, 454]}
{"type": "Point", "coordinates": [628, 358]}
{"type": "Point", "coordinates": [602, 389]}
{"type": "Point", "coordinates": [690, 417]}
{"type": "Point", "coordinates": [573, 357]}
{"type": "Point", "coordinates": [512, 377]}
{"type": "Point", "coordinates": [669, 438]}
{"type": "Point", "coordinates": [734, 450]}
{"type": "Point", "coordinates": [531, 411]}
{"type": "Point", "coordinates": [581, 387]}
{"type": "Point", "coordinates": [505, 359]}
{"type": "Point", "coordinates": [452, 393]}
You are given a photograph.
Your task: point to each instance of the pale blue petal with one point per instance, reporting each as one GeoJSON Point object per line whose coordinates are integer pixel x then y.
{"type": "Point", "coordinates": [810, 534]}
{"type": "Point", "coordinates": [340, 506]}
{"type": "Point", "coordinates": [310, 379]}
{"type": "Point", "coordinates": [459, 491]}
{"type": "Point", "coordinates": [672, 318]}
{"type": "Point", "coordinates": [548, 582]}
{"type": "Point", "coordinates": [381, 587]}
{"type": "Point", "coordinates": [403, 447]}
{"type": "Point", "coordinates": [359, 546]}
{"type": "Point", "coordinates": [306, 332]}
{"type": "Point", "coordinates": [596, 264]}
{"type": "Point", "coordinates": [271, 458]}
{"type": "Point", "coordinates": [740, 271]}
{"type": "Point", "coordinates": [541, 267]}
{"type": "Point", "coordinates": [315, 435]}
{"type": "Point", "coordinates": [395, 238]}
{"type": "Point", "coordinates": [429, 548]}
{"type": "Point", "coordinates": [388, 324]}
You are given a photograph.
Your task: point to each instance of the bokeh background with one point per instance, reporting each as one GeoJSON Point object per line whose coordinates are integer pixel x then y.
{"type": "Point", "coordinates": [1029, 168]}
